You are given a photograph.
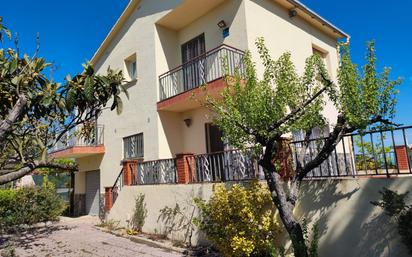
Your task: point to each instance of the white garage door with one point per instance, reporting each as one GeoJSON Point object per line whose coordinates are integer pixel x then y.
{"type": "Point", "coordinates": [92, 192]}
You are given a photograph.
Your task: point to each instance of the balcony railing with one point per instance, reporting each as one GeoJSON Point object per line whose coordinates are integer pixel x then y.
{"type": "Point", "coordinates": [71, 139]}
{"type": "Point", "coordinates": [223, 60]}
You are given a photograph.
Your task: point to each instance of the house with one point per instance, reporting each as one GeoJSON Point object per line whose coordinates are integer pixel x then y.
{"type": "Point", "coordinates": [167, 49]}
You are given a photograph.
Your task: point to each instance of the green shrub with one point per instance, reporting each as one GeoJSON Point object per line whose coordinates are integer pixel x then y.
{"type": "Point", "coordinates": [139, 214]}
{"type": "Point", "coordinates": [395, 206]}
{"type": "Point", "coordinates": [29, 205]}
{"type": "Point", "coordinates": [240, 222]}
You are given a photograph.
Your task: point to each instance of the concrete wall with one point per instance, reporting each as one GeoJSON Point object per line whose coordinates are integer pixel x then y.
{"type": "Point", "coordinates": [349, 225]}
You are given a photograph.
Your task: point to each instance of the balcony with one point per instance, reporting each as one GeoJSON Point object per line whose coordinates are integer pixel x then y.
{"type": "Point", "coordinates": [178, 85]}
{"type": "Point", "coordinates": [74, 146]}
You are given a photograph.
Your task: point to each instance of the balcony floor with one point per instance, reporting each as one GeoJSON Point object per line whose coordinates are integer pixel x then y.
{"type": "Point", "coordinates": [184, 101]}
{"type": "Point", "coordinates": [78, 152]}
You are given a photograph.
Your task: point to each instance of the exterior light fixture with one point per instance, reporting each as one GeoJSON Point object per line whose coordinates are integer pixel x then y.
{"type": "Point", "coordinates": [222, 24]}
{"type": "Point", "coordinates": [188, 122]}
{"type": "Point", "coordinates": [293, 13]}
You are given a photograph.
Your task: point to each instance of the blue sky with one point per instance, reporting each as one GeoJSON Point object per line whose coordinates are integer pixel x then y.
{"type": "Point", "coordinates": [71, 31]}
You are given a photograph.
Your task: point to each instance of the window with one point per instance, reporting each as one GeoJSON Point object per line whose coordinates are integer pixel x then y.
{"type": "Point", "coordinates": [131, 67]}
{"type": "Point", "coordinates": [133, 146]}
{"type": "Point", "coordinates": [323, 54]}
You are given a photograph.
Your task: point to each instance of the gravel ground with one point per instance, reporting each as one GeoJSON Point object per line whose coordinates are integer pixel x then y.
{"type": "Point", "coordinates": [78, 237]}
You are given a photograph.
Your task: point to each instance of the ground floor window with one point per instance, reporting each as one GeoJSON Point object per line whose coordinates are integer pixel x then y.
{"type": "Point", "coordinates": [133, 146]}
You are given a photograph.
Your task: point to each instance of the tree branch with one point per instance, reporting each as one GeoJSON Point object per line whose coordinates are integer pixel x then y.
{"type": "Point", "coordinates": [331, 142]}
{"type": "Point", "coordinates": [6, 125]}
{"type": "Point", "coordinates": [300, 109]}
{"type": "Point", "coordinates": [30, 167]}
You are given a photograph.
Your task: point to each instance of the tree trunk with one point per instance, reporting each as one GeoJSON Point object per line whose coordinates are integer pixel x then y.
{"type": "Point", "coordinates": [284, 205]}
{"type": "Point", "coordinates": [294, 230]}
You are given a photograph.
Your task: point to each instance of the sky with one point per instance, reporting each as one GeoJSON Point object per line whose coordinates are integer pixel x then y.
{"type": "Point", "coordinates": [71, 31]}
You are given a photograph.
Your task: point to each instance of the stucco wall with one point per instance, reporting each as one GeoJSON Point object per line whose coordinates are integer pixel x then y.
{"type": "Point", "coordinates": [139, 111]}
{"type": "Point", "coordinates": [157, 50]}
{"type": "Point", "coordinates": [349, 225]}
{"type": "Point", "coordinates": [168, 56]}
{"type": "Point", "coordinates": [283, 34]}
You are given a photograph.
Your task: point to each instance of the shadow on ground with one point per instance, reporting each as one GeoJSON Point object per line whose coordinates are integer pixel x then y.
{"type": "Point", "coordinates": [27, 239]}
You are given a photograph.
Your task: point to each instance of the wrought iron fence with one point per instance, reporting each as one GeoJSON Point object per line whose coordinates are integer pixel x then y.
{"type": "Point", "coordinates": [232, 165]}
{"type": "Point", "coordinates": [72, 139]}
{"type": "Point", "coordinates": [154, 172]}
{"type": "Point", "coordinates": [223, 60]}
{"type": "Point", "coordinates": [373, 153]}
{"type": "Point", "coordinates": [117, 186]}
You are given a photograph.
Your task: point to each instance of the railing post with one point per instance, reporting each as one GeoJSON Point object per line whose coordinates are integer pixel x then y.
{"type": "Point", "coordinates": [128, 171]}
{"type": "Point", "coordinates": [108, 198]}
{"type": "Point", "coordinates": [402, 157]}
{"type": "Point", "coordinates": [283, 158]}
{"type": "Point", "coordinates": [183, 167]}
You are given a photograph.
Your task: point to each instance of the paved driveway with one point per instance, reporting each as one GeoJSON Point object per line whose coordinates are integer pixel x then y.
{"type": "Point", "coordinates": [79, 237]}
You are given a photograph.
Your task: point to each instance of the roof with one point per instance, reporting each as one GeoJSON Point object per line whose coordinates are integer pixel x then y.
{"type": "Point", "coordinates": [310, 15]}
{"type": "Point", "coordinates": [316, 16]}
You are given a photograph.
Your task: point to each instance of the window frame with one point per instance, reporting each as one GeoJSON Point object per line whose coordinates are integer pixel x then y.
{"type": "Point", "coordinates": [128, 141]}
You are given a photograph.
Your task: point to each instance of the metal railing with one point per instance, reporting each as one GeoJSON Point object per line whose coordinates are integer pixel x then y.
{"type": "Point", "coordinates": [71, 139]}
{"type": "Point", "coordinates": [373, 153]}
{"type": "Point", "coordinates": [223, 60]}
{"type": "Point", "coordinates": [232, 165]}
{"type": "Point", "coordinates": [117, 186]}
{"type": "Point", "coordinates": [154, 172]}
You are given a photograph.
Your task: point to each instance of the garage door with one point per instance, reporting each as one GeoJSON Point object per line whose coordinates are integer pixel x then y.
{"type": "Point", "coordinates": [92, 192]}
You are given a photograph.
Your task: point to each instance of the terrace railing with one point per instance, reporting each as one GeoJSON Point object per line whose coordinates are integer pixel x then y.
{"type": "Point", "coordinates": [373, 153]}
{"type": "Point", "coordinates": [154, 172]}
{"type": "Point", "coordinates": [232, 165]}
{"type": "Point", "coordinates": [223, 60]}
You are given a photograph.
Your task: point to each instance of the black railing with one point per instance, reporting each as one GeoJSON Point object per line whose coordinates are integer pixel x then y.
{"type": "Point", "coordinates": [223, 60]}
{"type": "Point", "coordinates": [373, 153]}
{"type": "Point", "coordinates": [154, 172]}
{"type": "Point", "coordinates": [117, 187]}
{"type": "Point", "coordinates": [72, 139]}
{"type": "Point", "coordinates": [232, 165]}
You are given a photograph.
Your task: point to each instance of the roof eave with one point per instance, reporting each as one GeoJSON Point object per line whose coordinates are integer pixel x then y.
{"type": "Point", "coordinates": [113, 32]}
{"type": "Point", "coordinates": [315, 15]}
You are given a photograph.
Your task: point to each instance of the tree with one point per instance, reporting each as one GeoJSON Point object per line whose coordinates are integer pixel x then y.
{"type": "Point", "coordinates": [36, 112]}
{"type": "Point", "coordinates": [260, 112]}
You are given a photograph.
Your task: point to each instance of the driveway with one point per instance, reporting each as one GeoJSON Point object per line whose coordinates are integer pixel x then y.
{"type": "Point", "coordinates": [78, 237]}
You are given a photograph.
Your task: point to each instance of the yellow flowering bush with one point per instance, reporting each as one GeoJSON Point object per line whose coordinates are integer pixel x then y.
{"type": "Point", "coordinates": [240, 221]}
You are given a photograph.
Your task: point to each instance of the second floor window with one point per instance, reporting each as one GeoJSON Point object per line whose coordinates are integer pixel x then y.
{"type": "Point", "coordinates": [131, 67]}
{"type": "Point", "coordinates": [133, 146]}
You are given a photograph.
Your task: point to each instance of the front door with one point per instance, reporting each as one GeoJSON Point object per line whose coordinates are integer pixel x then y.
{"type": "Point", "coordinates": [193, 59]}
{"type": "Point", "coordinates": [214, 142]}
{"type": "Point", "coordinates": [216, 157]}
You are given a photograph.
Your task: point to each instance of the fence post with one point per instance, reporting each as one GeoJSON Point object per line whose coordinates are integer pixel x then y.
{"type": "Point", "coordinates": [402, 157]}
{"type": "Point", "coordinates": [283, 158]}
{"type": "Point", "coordinates": [108, 198]}
{"type": "Point", "coordinates": [183, 167]}
{"type": "Point", "coordinates": [128, 172]}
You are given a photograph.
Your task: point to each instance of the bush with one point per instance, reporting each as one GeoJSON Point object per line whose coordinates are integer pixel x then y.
{"type": "Point", "coordinates": [139, 214]}
{"type": "Point", "coordinates": [240, 222]}
{"type": "Point", "coordinates": [395, 206]}
{"type": "Point", "coordinates": [29, 205]}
